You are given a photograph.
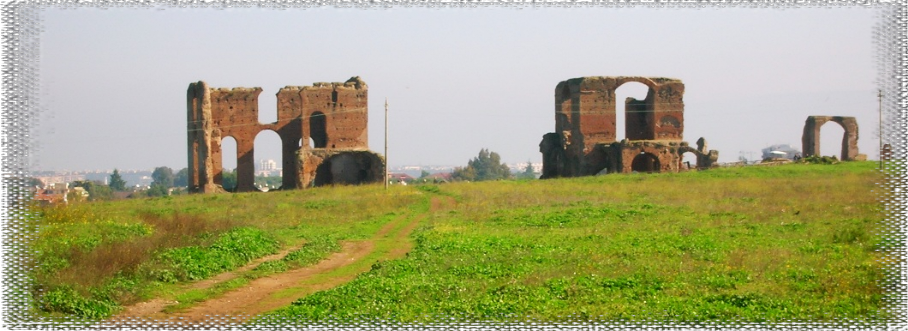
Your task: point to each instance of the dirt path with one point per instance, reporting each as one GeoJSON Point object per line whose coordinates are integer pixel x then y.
{"type": "Point", "coordinates": [279, 290]}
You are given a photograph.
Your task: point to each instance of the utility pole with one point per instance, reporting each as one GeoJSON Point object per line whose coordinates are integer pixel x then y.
{"type": "Point", "coordinates": [880, 96]}
{"type": "Point", "coordinates": [386, 144]}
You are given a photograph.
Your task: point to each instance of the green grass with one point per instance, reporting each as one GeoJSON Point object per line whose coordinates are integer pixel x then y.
{"type": "Point", "coordinates": [751, 243]}
{"type": "Point", "coordinates": [93, 258]}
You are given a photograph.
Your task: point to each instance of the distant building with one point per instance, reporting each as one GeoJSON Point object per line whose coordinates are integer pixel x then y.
{"type": "Point", "coordinates": [395, 178]}
{"type": "Point", "coordinates": [269, 168]}
{"type": "Point", "coordinates": [57, 193]}
{"type": "Point", "coordinates": [775, 151]}
{"type": "Point", "coordinates": [267, 165]}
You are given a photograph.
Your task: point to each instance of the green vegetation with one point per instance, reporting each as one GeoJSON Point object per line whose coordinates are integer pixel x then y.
{"type": "Point", "coordinates": [772, 243]}
{"type": "Point", "coordinates": [96, 190]}
{"type": "Point", "coordinates": [528, 172]}
{"type": "Point", "coordinates": [751, 243]}
{"type": "Point", "coordinates": [117, 183]}
{"type": "Point", "coordinates": [93, 258]}
{"type": "Point", "coordinates": [485, 166]}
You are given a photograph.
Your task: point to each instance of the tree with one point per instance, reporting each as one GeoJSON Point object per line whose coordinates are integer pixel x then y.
{"type": "Point", "coordinates": [528, 172]}
{"type": "Point", "coordinates": [162, 176]}
{"type": "Point", "coordinates": [181, 179]}
{"type": "Point", "coordinates": [228, 180]}
{"type": "Point", "coordinates": [117, 184]}
{"type": "Point", "coordinates": [156, 190]}
{"type": "Point", "coordinates": [486, 166]}
{"type": "Point", "coordinates": [424, 174]}
{"type": "Point", "coordinates": [96, 190]}
{"type": "Point", "coordinates": [33, 182]}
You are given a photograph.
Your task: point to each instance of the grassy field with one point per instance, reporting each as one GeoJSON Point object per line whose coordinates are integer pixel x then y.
{"type": "Point", "coordinates": [751, 244]}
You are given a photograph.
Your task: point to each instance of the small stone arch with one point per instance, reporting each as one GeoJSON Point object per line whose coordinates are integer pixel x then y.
{"type": "Point", "coordinates": [886, 153]}
{"type": "Point", "coordinates": [687, 149]}
{"type": "Point", "coordinates": [646, 162]}
{"type": "Point", "coordinates": [810, 140]}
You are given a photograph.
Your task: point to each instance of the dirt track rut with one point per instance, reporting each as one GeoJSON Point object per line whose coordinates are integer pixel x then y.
{"type": "Point", "coordinates": [268, 293]}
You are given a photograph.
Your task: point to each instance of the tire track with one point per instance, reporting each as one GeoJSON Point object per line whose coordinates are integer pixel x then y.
{"type": "Point", "coordinates": [268, 293]}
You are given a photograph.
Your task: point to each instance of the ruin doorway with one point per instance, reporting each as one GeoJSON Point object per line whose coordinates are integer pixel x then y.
{"type": "Point", "coordinates": [832, 140]}
{"type": "Point", "coordinates": [318, 130]}
{"type": "Point", "coordinates": [645, 162]}
{"type": "Point", "coordinates": [268, 161]}
{"type": "Point", "coordinates": [624, 114]}
{"type": "Point", "coordinates": [226, 175]}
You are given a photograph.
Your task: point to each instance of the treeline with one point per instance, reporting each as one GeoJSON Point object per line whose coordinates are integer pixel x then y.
{"type": "Point", "coordinates": [487, 166]}
{"type": "Point", "coordinates": [164, 182]}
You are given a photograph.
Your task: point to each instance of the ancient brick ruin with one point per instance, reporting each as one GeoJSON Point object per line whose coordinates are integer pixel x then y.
{"type": "Point", "coordinates": [584, 142]}
{"type": "Point", "coordinates": [886, 152]}
{"type": "Point", "coordinates": [323, 130]}
{"type": "Point", "coordinates": [810, 140]}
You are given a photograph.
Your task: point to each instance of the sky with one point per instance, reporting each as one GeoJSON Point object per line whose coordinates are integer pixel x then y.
{"type": "Point", "coordinates": [113, 81]}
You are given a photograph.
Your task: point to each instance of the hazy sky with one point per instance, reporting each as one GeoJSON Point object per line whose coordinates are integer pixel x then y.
{"type": "Point", "coordinates": [113, 82]}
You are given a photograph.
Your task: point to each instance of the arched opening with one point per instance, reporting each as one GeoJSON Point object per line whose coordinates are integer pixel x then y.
{"type": "Point", "coordinates": [268, 160]}
{"type": "Point", "coordinates": [267, 107]}
{"type": "Point", "coordinates": [349, 168]}
{"type": "Point", "coordinates": [831, 136]}
{"type": "Point", "coordinates": [645, 162]}
{"type": "Point", "coordinates": [688, 161]}
{"type": "Point", "coordinates": [886, 152]}
{"type": "Point", "coordinates": [630, 119]}
{"type": "Point", "coordinates": [318, 131]}
{"type": "Point", "coordinates": [227, 175]}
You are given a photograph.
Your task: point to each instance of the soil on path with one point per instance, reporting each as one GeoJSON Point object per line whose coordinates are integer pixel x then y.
{"type": "Point", "coordinates": [260, 295]}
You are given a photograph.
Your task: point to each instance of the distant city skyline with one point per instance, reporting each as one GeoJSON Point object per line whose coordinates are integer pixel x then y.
{"type": "Point", "coordinates": [457, 80]}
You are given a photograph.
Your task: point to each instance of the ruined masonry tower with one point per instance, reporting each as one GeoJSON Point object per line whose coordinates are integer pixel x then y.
{"type": "Point", "coordinates": [322, 130]}
{"type": "Point", "coordinates": [584, 142]}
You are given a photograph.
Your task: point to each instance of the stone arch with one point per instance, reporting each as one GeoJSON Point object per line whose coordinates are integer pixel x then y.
{"type": "Point", "coordinates": [810, 139]}
{"type": "Point", "coordinates": [688, 149]}
{"type": "Point", "coordinates": [646, 162]}
{"type": "Point", "coordinates": [263, 138]}
{"type": "Point", "coordinates": [687, 164]}
{"type": "Point", "coordinates": [227, 149]}
{"type": "Point", "coordinates": [643, 80]}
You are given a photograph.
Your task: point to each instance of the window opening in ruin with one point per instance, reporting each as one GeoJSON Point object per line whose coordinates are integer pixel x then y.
{"type": "Point", "coordinates": [831, 136]}
{"type": "Point", "coordinates": [688, 161]}
{"type": "Point", "coordinates": [634, 90]}
{"type": "Point", "coordinates": [268, 160]}
{"type": "Point", "coordinates": [226, 176]}
{"type": "Point", "coordinates": [334, 96]}
{"type": "Point", "coordinates": [318, 131]}
{"type": "Point", "coordinates": [267, 107]}
{"type": "Point", "coordinates": [645, 162]}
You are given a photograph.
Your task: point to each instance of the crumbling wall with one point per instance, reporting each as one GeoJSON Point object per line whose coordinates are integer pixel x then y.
{"type": "Point", "coordinates": [810, 139]}
{"type": "Point", "coordinates": [589, 105]}
{"type": "Point", "coordinates": [585, 143]}
{"type": "Point", "coordinates": [216, 113]}
{"type": "Point", "coordinates": [343, 107]}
